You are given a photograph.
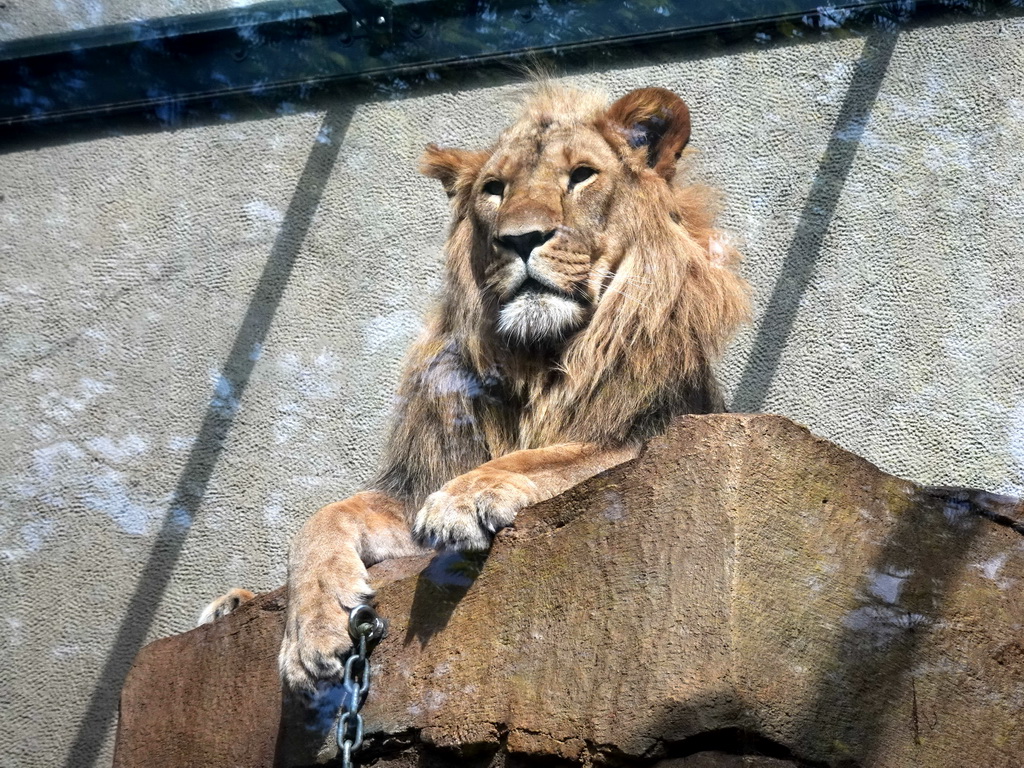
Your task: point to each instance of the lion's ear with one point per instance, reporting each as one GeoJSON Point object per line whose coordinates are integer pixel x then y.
{"type": "Point", "coordinates": [454, 168]}
{"type": "Point", "coordinates": [658, 120]}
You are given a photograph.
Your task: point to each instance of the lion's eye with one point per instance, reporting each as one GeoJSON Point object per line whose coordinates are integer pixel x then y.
{"type": "Point", "coordinates": [494, 187]}
{"type": "Point", "coordinates": [581, 174]}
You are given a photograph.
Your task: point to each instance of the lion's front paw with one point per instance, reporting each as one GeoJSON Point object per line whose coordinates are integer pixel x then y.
{"type": "Point", "coordinates": [316, 639]}
{"type": "Point", "coordinates": [467, 512]}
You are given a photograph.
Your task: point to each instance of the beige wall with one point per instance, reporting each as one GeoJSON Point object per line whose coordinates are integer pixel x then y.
{"type": "Point", "coordinates": [129, 265]}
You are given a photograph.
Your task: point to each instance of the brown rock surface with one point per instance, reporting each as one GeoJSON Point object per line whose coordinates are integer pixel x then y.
{"type": "Point", "coordinates": [743, 594]}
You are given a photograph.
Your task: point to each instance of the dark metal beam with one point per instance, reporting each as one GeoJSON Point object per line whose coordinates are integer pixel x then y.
{"type": "Point", "coordinates": [165, 63]}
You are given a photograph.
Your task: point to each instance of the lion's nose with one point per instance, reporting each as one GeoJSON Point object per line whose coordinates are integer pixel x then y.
{"type": "Point", "coordinates": [524, 243]}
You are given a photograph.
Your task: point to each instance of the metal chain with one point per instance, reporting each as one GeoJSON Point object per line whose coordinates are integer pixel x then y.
{"type": "Point", "coordinates": [366, 628]}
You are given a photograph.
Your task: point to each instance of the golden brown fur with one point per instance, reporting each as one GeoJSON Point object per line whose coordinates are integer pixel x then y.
{"type": "Point", "coordinates": [586, 297]}
{"type": "Point", "coordinates": [645, 353]}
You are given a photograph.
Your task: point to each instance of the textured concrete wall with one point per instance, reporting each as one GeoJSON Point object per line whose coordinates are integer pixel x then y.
{"type": "Point", "coordinates": [201, 326]}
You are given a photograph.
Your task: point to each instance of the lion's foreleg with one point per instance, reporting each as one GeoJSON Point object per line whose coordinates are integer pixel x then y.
{"type": "Point", "coordinates": [469, 510]}
{"type": "Point", "coordinates": [327, 578]}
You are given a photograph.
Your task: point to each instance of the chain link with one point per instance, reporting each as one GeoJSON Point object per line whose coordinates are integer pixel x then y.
{"type": "Point", "coordinates": [366, 628]}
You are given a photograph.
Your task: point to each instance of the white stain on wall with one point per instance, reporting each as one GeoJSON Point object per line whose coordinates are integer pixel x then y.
{"type": "Point", "coordinates": [224, 400]}
{"type": "Point", "coordinates": [306, 383]}
{"type": "Point", "coordinates": [69, 651]}
{"type": "Point", "coordinates": [1015, 449]}
{"type": "Point", "coordinates": [395, 330]}
{"type": "Point", "coordinates": [95, 476]}
{"type": "Point", "coordinates": [28, 539]}
{"type": "Point", "coordinates": [107, 492]}
{"type": "Point", "coordinates": [64, 408]}
{"type": "Point", "coordinates": [180, 443]}
{"type": "Point", "coordinates": [120, 450]}
{"type": "Point", "coordinates": [274, 511]}
{"type": "Point", "coordinates": [263, 218]}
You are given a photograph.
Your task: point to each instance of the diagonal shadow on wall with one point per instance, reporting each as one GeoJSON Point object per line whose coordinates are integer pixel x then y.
{"type": "Point", "coordinates": [871, 680]}
{"type": "Point", "coordinates": [210, 441]}
{"type": "Point", "coordinates": [805, 248]}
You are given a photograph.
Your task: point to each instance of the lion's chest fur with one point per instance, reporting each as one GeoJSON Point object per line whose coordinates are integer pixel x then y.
{"type": "Point", "coordinates": [523, 408]}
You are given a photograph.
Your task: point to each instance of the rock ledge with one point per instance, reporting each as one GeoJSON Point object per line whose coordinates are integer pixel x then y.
{"type": "Point", "coordinates": [743, 594]}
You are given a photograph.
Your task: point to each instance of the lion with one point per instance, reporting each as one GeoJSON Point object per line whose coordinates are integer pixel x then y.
{"type": "Point", "coordinates": [585, 298]}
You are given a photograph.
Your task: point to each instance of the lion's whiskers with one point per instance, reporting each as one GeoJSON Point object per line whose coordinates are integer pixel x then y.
{"type": "Point", "coordinates": [622, 293]}
{"type": "Point", "coordinates": [608, 278]}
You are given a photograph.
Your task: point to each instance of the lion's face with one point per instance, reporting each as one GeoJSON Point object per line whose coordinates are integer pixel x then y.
{"type": "Point", "coordinates": [539, 205]}
{"type": "Point", "coordinates": [547, 237]}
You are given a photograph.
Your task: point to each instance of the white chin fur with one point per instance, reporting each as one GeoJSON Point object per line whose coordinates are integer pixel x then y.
{"type": "Point", "coordinates": [535, 317]}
